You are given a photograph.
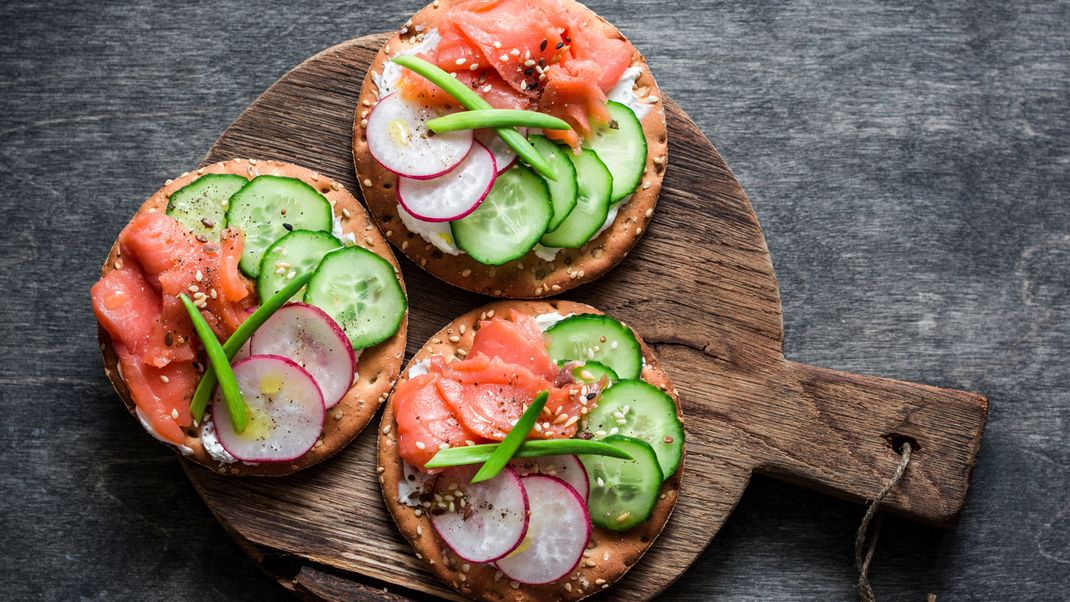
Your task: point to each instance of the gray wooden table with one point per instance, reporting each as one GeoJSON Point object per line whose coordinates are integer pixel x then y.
{"type": "Point", "coordinates": [910, 163]}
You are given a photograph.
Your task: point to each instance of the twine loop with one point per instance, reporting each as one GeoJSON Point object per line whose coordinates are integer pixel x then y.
{"type": "Point", "coordinates": [864, 552]}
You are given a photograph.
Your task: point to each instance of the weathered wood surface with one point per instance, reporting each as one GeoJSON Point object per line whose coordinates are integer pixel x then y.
{"type": "Point", "coordinates": [907, 164]}
{"type": "Point", "coordinates": [713, 313]}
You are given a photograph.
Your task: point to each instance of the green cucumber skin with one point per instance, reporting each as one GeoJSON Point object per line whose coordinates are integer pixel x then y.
{"type": "Point", "coordinates": [268, 282]}
{"type": "Point", "coordinates": [626, 360]}
{"type": "Point", "coordinates": [363, 328]}
{"type": "Point", "coordinates": [313, 213]}
{"type": "Point", "coordinates": [597, 370]}
{"type": "Point", "coordinates": [594, 184]}
{"type": "Point", "coordinates": [627, 172]}
{"type": "Point", "coordinates": [563, 191]}
{"type": "Point", "coordinates": [205, 197]}
{"type": "Point", "coordinates": [652, 417]}
{"type": "Point", "coordinates": [646, 489]}
{"type": "Point", "coordinates": [472, 237]}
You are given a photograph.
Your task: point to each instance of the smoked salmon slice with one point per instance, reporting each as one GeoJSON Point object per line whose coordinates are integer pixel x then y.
{"type": "Point", "coordinates": [138, 305]}
{"type": "Point", "coordinates": [424, 420]}
{"type": "Point", "coordinates": [520, 54]}
{"type": "Point", "coordinates": [517, 340]}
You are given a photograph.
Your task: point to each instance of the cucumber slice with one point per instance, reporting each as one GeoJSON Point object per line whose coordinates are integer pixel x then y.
{"type": "Point", "coordinates": [201, 205]}
{"type": "Point", "coordinates": [509, 222]}
{"type": "Point", "coordinates": [563, 191]}
{"type": "Point", "coordinates": [587, 337]}
{"type": "Point", "coordinates": [594, 184]}
{"type": "Point", "coordinates": [270, 206]}
{"type": "Point", "coordinates": [641, 410]}
{"type": "Point", "coordinates": [360, 290]}
{"type": "Point", "coordinates": [623, 492]}
{"type": "Point", "coordinates": [296, 253]}
{"type": "Point", "coordinates": [592, 372]}
{"type": "Point", "coordinates": [622, 147]}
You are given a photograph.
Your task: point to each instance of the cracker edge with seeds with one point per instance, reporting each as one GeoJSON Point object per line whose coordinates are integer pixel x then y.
{"type": "Point", "coordinates": [528, 277]}
{"type": "Point", "coordinates": [378, 366]}
{"type": "Point", "coordinates": [624, 549]}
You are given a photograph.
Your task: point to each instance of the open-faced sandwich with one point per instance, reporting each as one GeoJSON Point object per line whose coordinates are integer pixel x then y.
{"type": "Point", "coordinates": [510, 147]}
{"type": "Point", "coordinates": [269, 280]}
{"type": "Point", "coordinates": [531, 451]}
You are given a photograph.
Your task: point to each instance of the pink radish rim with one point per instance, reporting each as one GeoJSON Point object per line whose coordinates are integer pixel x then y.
{"type": "Point", "coordinates": [523, 534]}
{"type": "Point", "coordinates": [586, 539]}
{"type": "Point", "coordinates": [475, 206]}
{"type": "Point", "coordinates": [323, 414]}
{"type": "Point", "coordinates": [524, 132]}
{"type": "Point", "coordinates": [399, 174]}
{"type": "Point", "coordinates": [579, 463]}
{"type": "Point", "coordinates": [335, 328]}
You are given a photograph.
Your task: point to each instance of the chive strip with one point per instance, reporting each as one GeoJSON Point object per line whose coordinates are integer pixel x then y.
{"type": "Point", "coordinates": [538, 448]}
{"type": "Point", "coordinates": [501, 456]}
{"type": "Point", "coordinates": [218, 359]}
{"type": "Point", "coordinates": [495, 118]}
{"type": "Point", "coordinates": [473, 102]}
{"type": "Point", "coordinates": [208, 381]}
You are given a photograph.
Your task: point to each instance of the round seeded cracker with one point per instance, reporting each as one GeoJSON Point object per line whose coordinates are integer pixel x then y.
{"type": "Point", "coordinates": [528, 277]}
{"type": "Point", "coordinates": [377, 366]}
{"type": "Point", "coordinates": [609, 554]}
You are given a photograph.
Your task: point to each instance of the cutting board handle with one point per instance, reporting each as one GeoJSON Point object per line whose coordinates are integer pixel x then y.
{"type": "Point", "coordinates": [840, 432]}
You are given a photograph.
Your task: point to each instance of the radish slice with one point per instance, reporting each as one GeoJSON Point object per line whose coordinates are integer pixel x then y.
{"type": "Point", "coordinates": [399, 140]}
{"type": "Point", "coordinates": [491, 520]}
{"type": "Point", "coordinates": [567, 468]}
{"type": "Point", "coordinates": [504, 157]}
{"type": "Point", "coordinates": [558, 531]}
{"type": "Point", "coordinates": [286, 411]}
{"type": "Point", "coordinates": [453, 195]}
{"type": "Point", "coordinates": [307, 335]}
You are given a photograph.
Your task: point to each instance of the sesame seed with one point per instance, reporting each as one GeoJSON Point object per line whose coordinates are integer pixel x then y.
{"type": "Point", "coordinates": [514, 584]}
{"type": "Point", "coordinates": [443, 445]}
{"type": "Point", "coordinates": [455, 339]}
{"type": "Point", "coordinates": [503, 58]}
{"type": "Point", "coordinates": [486, 88]}
{"type": "Point", "coordinates": [490, 314]}
{"type": "Point", "coordinates": [461, 61]}
{"type": "Point", "coordinates": [529, 63]}
{"type": "Point", "coordinates": [473, 66]}
{"type": "Point", "coordinates": [599, 581]}
{"type": "Point", "coordinates": [386, 429]}
{"type": "Point", "coordinates": [652, 99]}
{"type": "Point", "coordinates": [614, 431]}
{"type": "Point", "coordinates": [367, 182]}
{"type": "Point", "coordinates": [291, 275]}
{"type": "Point", "coordinates": [538, 427]}
{"type": "Point", "coordinates": [623, 517]}
{"type": "Point", "coordinates": [346, 213]}
{"type": "Point", "coordinates": [193, 288]}
{"type": "Point", "coordinates": [460, 329]}
{"type": "Point", "coordinates": [613, 345]}
{"type": "Point", "coordinates": [514, 52]}
{"type": "Point", "coordinates": [421, 445]}
{"type": "Point", "coordinates": [590, 564]}
{"type": "Point", "coordinates": [638, 231]}
{"type": "Point", "coordinates": [252, 161]}
{"type": "Point", "coordinates": [164, 379]}
{"type": "Point", "coordinates": [646, 186]}
{"type": "Point", "coordinates": [568, 586]}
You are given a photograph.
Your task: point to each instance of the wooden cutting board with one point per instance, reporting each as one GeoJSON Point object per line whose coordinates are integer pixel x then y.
{"type": "Point", "coordinates": [699, 287]}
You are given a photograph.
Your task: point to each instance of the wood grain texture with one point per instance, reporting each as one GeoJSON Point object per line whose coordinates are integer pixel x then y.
{"type": "Point", "coordinates": [907, 162]}
{"type": "Point", "coordinates": [715, 312]}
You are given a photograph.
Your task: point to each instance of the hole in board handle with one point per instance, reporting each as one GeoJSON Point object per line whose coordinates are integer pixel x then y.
{"type": "Point", "coordinates": [896, 441]}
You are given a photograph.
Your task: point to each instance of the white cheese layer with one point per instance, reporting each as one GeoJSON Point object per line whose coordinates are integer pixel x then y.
{"type": "Point", "coordinates": [212, 445]}
{"type": "Point", "coordinates": [148, 427]}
